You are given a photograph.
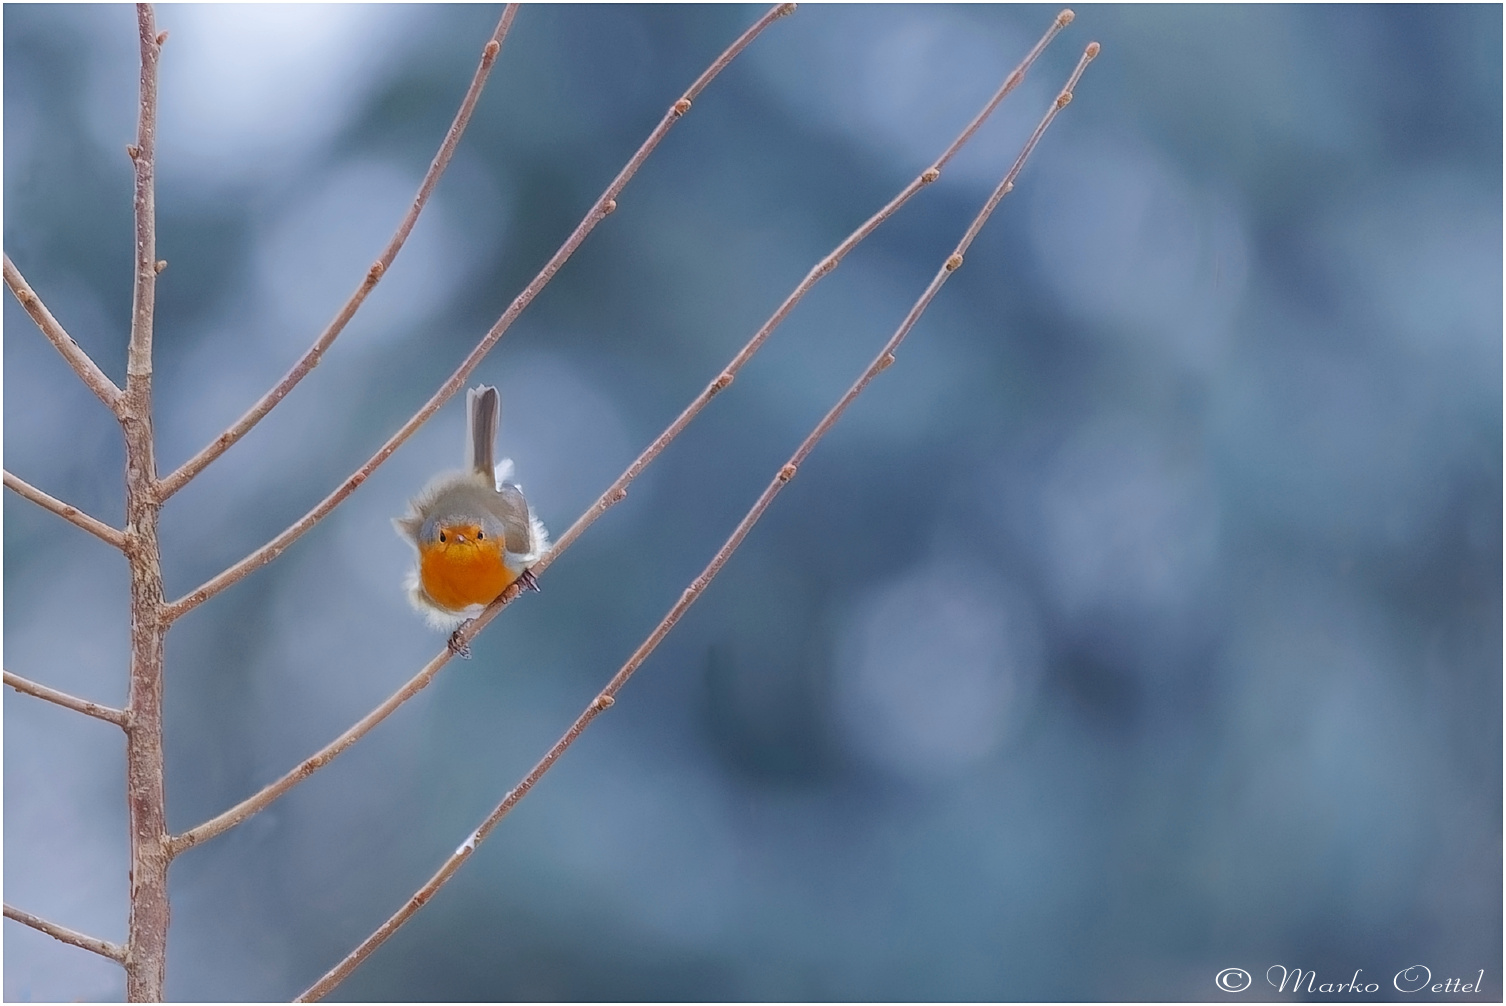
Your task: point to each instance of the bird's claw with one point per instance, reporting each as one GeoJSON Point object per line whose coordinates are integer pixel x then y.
{"type": "Point", "coordinates": [528, 580]}
{"type": "Point", "coordinates": [457, 645]}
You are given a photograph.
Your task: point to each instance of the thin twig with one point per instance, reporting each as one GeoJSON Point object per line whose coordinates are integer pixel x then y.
{"type": "Point", "coordinates": [235, 815]}
{"type": "Point", "coordinates": [106, 713]}
{"type": "Point", "coordinates": [104, 948]}
{"type": "Point", "coordinates": [618, 490]}
{"type": "Point", "coordinates": [599, 210]}
{"type": "Point", "coordinates": [178, 479]}
{"type": "Point", "coordinates": [70, 513]}
{"type": "Point", "coordinates": [84, 367]}
{"type": "Point", "coordinates": [607, 697]}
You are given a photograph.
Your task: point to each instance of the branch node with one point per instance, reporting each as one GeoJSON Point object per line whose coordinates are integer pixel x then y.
{"type": "Point", "coordinates": [375, 272]}
{"type": "Point", "coordinates": [885, 361]}
{"type": "Point", "coordinates": [161, 265]}
{"type": "Point", "coordinates": [161, 38]}
{"type": "Point", "coordinates": [1064, 99]}
{"type": "Point", "coordinates": [603, 702]}
{"type": "Point", "coordinates": [786, 473]}
{"type": "Point", "coordinates": [1092, 50]}
{"type": "Point", "coordinates": [682, 106]}
{"type": "Point", "coordinates": [721, 382]}
{"type": "Point", "coordinates": [490, 50]}
{"type": "Point", "coordinates": [954, 263]}
{"type": "Point", "coordinates": [786, 9]}
{"type": "Point", "coordinates": [610, 206]}
{"type": "Point", "coordinates": [133, 151]}
{"type": "Point", "coordinates": [931, 174]}
{"type": "Point", "coordinates": [1065, 17]}
{"type": "Point", "coordinates": [617, 496]}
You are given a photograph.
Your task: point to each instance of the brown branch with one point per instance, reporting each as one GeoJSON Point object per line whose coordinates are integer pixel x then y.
{"type": "Point", "coordinates": [146, 795]}
{"type": "Point", "coordinates": [84, 367]}
{"type": "Point", "coordinates": [618, 490]}
{"type": "Point", "coordinates": [72, 514]}
{"type": "Point", "coordinates": [603, 206]}
{"type": "Point", "coordinates": [222, 823]}
{"type": "Point", "coordinates": [106, 713]}
{"type": "Point", "coordinates": [102, 947]}
{"type": "Point", "coordinates": [607, 697]}
{"type": "Point", "coordinates": [178, 479]}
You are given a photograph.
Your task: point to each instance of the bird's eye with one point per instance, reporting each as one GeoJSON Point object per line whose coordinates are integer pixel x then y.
{"type": "Point", "coordinates": [480, 535]}
{"type": "Point", "coordinates": [441, 536]}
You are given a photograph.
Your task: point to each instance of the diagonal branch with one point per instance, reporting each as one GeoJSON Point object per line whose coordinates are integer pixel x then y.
{"type": "Point", "coordinates": [178, 479]}
{"type": "Point", "coordinates": [106, 713]}
{"type": "Point", "coordinates": [223, 822]}
{"type": "Point", "coordinates": [102, 947]}
{"type": "Point", "coordinates": [69, 513]}
{"type": "Point", "coordinates": [603, 206]}
{"type": "Point", "coordinates": [607, 697]}
{"type": "Point", "coordinates": [615, 492]}
{"type": "Point", "coordinates": [84, 367]}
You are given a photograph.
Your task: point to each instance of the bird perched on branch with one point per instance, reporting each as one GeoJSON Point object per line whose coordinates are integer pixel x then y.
{"type": "Point", "coordinates": [474, 532]}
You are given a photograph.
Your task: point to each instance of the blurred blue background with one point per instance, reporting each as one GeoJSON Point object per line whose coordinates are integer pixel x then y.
{"type": "Point", "coordinates": [1144, 620]}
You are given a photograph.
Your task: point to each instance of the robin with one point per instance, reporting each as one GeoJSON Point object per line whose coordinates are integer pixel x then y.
{"type": "Point", "coordinates": [474, 532]}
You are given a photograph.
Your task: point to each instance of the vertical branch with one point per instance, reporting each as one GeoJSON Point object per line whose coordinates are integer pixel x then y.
{"type": "Point", "coordinates": [146, 942]}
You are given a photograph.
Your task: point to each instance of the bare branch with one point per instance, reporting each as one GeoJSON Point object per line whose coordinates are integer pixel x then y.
{"type": "Point", "coordinates": [113, 951]}
{"type": "Point", "coordinates": [618, 490]}
{"type": "Point", "coordinates": [235, 815]}
{"type": "Point", "coordinates": [146, 796]}
{"type": "Point", "coordinates": [607, 697]}
{"type": "Point", "coordinates": [84, 367]}
{"type": "Point", "coordinates": [178, 479]}
{"type": "Point", "coordinates": [603, 206]}
{"type": "Point", "coordinates": [69, 513]}
{"type": "Point", "coordinates": [143, 155]}
{"type": "Point", "coordinates": [106, 713]}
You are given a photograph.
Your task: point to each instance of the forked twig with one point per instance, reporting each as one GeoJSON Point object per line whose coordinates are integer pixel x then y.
{"type": "Point", "coordinates": [106, 713]}
{"type": "Point", "coordinates": [82, 365]}
{"type": "Point", "coordinates": [606, 698]}
{"type": "Point", "coordinates": [70, 513]}
{"type": "Point", "coordinates": [186, 471]}
{"type": "Point", "coordinates": [104, 948]}
{"type": "Point", "coordinates": [599, 210]}
{"type": "Point", "coordinates": [618, 490]}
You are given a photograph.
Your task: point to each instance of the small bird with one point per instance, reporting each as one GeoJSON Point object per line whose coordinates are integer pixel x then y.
{"type": "Point", "coordinates": [474, 532]}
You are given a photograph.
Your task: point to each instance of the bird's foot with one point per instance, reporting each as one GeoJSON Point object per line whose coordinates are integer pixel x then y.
{"type": "Point", "coordinates": [528, 580]}
{"type": "Point", "coordinates": [457, 644]}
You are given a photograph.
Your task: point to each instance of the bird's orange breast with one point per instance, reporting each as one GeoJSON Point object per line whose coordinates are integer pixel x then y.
{"type": "Point", "coordinates": [457, 576]}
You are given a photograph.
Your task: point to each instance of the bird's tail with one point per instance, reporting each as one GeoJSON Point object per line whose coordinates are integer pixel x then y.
{"type": "Point", "coordinates": [485, 415]}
